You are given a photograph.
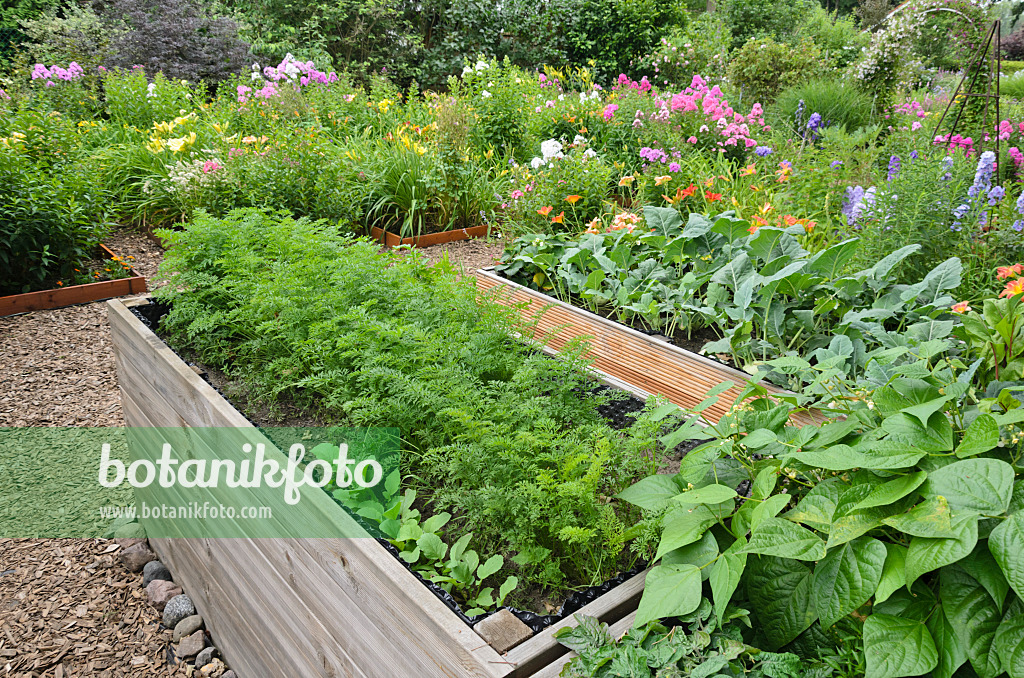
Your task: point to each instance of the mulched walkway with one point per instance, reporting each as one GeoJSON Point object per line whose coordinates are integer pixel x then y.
{"type": "Point", "coordinates": [67, 607]}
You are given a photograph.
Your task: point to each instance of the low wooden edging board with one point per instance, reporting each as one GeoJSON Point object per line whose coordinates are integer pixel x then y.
{"type": "Point", "coordinates": [76, 294]}
{"type": "Point", "coordinates": [646, 363]}
{"type": "Point", "coordinates": [309, 607]}
{"type": "Point", "coordinates": [428, 239]}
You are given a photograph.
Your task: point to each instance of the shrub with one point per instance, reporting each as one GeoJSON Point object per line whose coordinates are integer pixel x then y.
{"type": "Point", "coordinates": [178, 37]}
{"type": "Point", "coordinates": [702, 48]}
{"type": "Point", "coordinates": [836, 102]}
{"type": "Point", "coordinates": [46, 230]}
{"type": "Point", "coordinates": [775, 19]}
{"type": "Point", "coordinates": [70, 33]}
{"type": "Point", "coordinates": [1013, 46]}
{"type": "Point", "coordinates": [611, 34]}
{"type": "Point", "coordinates": [764, 67]}
{"type": "Point", "coordinates": [838, 36]}
{"type": "Point", "coordinates": [1012, 86]}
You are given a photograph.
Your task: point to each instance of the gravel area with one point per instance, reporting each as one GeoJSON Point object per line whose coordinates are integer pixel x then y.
{"type": "Point", "coordinates": [67, 608]}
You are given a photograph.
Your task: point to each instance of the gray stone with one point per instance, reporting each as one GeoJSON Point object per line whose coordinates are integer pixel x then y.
{"type": "Point", "coordinates": [154, 570]}
{"type": "Point", "coordinates": [130, 541]}
{"type": "Point", "coordinates": [206, 656]}
{"type": "Point", "coordinates": [134, 558]}
{"type": "Point", "coordinates": [130, 531]}
{"type": "Point", "coordinates": [192, 645]}
{"type": "Point", "coordinates": [214, 669]}
{"type": "Point", "coordinates": [161, 592]}
{"type": "Point", "coordinates": [177, 608]}
{"type": "Point", "coordinates": [186, 627]}
{"type": "Point", "coordinates": [229, 674]}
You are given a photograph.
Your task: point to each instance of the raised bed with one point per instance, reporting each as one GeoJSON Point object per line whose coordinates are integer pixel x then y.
{"type": "Point", "coordinates": [310, 607]}
{"type": "Point", "coordinates": [428, 239]}
{"type": "Point", "coordinates": [645, 362]}
{"type": "Point", "coordinates": [77, 294]}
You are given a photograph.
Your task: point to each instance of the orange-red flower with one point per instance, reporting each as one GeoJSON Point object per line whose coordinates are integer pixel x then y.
{"type": "Point", "coordinates": [573, 199]}
{"type": "Point", "coordinates": [789, 219]}
{"type": "Point", "coordinates": [688, 191]}
{"type": "Point", "coordinates": [560, 219]}
{"type": "Point", "coordinates": [748, 170]}
{"type": "Point", "coordinates": [1013, 288]}
{"type": "Point", "coordinates": [809, 226]}
{"type": "Point", "coordinates": [712, 197]}
{"type": "Point", "coordinates": [960, 307]}
{"type": "Point", "coordinates": [1004, 272]}
{"type": "Point", "coordinates": [544, 211]}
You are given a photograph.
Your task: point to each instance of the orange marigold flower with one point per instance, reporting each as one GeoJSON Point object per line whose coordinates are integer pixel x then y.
{"type": "Point", "coordinates": [1013, 288]}
{"type": "Point", "coordinates": [573, 199]}
{"type": "Point", "coordinates": [960, 307]}
{"type": "Point", "coordinates": [544, 211]}
{"type": "Point", "coordinates": [712, 197]}
{"type": "Point", "coordinates": [560, 219]}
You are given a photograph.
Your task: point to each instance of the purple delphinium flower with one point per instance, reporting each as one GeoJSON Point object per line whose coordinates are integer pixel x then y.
{"type": "Point", "coordinates": [799, 114]}
{"type": "Point", "coordinates": [947, 164]}
{"type": "Point", "coordinates": [995, 194]}
{"type": "Point", "coordinates": [858, 203]}
{"type": "Point", "coordinates": [913, 155]}
{"type": "Point", "coordinates": [835, 163]}
{"type": "Point", "coordinates": [762, 151]}
{"type": "Point", "coordinates": [983, 174]}
{"type": "Point", "coordinates": [894, 167]}
{"type": "Point", "coordinates": [1019, 224]}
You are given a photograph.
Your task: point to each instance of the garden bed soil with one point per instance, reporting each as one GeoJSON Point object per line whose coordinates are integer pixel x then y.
{"type": "Point", "coordinates": [76, 294]}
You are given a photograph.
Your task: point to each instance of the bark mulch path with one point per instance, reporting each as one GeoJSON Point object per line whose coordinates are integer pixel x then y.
{"type": "Point", "coordinates": [67, 607]}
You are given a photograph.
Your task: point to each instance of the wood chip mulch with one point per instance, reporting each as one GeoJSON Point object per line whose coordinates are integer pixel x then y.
{"type": "Point", "coordinates": [68, 609]}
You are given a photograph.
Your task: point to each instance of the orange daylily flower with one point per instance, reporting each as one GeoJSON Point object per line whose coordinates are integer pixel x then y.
{"type": "Point", "coordinates": [544, 211]}
{"type": "Point", "coordinates": [789, 219]}
{"type": "Point", "coordinates": [748, 170]}
{"type": "Point", "coordinates": [1013, 288]}
{"type": "Point", "coordinates": [664, 179]}
{"type": "Point", "coordinates": [573, 199]}
{"type": "Point", "coordinates": [712, 197]}
{"type": "Point", "coordinates": [960, 307]}
{"type": "Point", "coordinates": [690, 190]}
{"type": "Point", "coordinates": [560, 219]}
{"type": "Point", "coordinates": [809, 226]}
{"type": "Point", "coordinates": [627, 180]}
{"type": "Point", "coordinates": [1004, 272]}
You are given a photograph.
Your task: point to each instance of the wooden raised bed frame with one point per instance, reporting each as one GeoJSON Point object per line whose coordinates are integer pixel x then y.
{"type": "Point", "coordinates": [311, 607]}
{"type": "Point", "coordinates": [651, 365]}
{"type": "Point", "coordinates": [76, 294]}
{"type": "Point", "coordinates": [428, 239]}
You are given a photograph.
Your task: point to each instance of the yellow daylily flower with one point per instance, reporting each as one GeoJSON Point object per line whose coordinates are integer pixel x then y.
{"type": "Point", "coordinates": [155, 145]}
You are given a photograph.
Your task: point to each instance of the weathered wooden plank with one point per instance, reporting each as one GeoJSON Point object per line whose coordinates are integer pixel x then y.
{"type": "Point", "coordinates": [391, 622]}
{"type": "Point", "coordinates": [653, 365]}
{"type": "Point", "coordinates": [542, 649]}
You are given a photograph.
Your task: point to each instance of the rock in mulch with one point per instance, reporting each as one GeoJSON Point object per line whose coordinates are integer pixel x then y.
{"type": "Point", "coordinates": [177, 608]}
{"type": "Point", "coordinates": [134, 558]}
{"type": "Point", "coordinates": [214, 669]}
{"type": "Point", "coordinates": [206, 656]}
{"type": "Point", "coordinates": [186, 627]}
{"type": "Point", "coordinates": [161, 592]}
{"type": "Point", "coordinates": [229, 674]}
{"type": "Point", "coordinates": [154, 570]}
{"type": "Point", "coordinates": [192, 645]}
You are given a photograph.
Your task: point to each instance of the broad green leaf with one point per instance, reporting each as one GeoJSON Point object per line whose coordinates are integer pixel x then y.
{"type": "Point", "coordinates": [937, 436]}
{"type": "Point", "coordinates": [894, 572]}
{"type": "Point", "coordinates": [652, 493]}
{"type": "Point", "coordinates": [459, 547]}
{"type": "Point", "coordinates": [669, 591]}
{"type": "Point", "coordinates": [1007, 546]}
{"type": "Point", "coordinates": [846, 577]}
{"type": "Point", "coordinates": [893, 490]}
{"type": "Point", "coordinates": [664, 220]}
{"type": "Point", "coordinates": [769, 508]}
{"type": "Point", "coordinates": [818, 506]}
{"type": "Point", "coordinates": [682, 526]}
{"type": "Point", "coordinates": [1009, 644]}
{"type": "Point", "coordinates": [830, 262]}
{"type": "Point", "coordinates": [726, 574]}
{"type": "Point", "coordinates": [880, 456]}
{"type": "Point", "coordinates": [781, 594]}
{"type": "Point", "coordinates": [700, 554]}
{"type": "Point", "coordinates": [945, 276]}
{"type": "Point", "coordinates": [981, 436]}
{"type": "Point", "coordinates": [983, 485]}
{"type": "Point", "coordinates": [974, 616]}
{"type": "Point", "coordinates": [760, 438]}
{"type": "Point", "coordinates": [982, 565]}
{"type": "Point", "coordinates": [709, 494]}
{"type": "Point", "coordinates": [695, 465]}
{"type": "Point", "coordinates": [785, 539]}
{"type": "Point", "coordinates": [432, 546]}
{"type": "Point", "coordinates": [931, 518]}
{"type": "Point", "coordinates": [925, 555]}
{"type": "Point", "coordinates": [952, 654]}
{"type": "Point", "coordinates": [490, 566]}
{"type": "Point", "coordinates": [895, 647]}
{"type": "Point", "coordinates": [764, 483]}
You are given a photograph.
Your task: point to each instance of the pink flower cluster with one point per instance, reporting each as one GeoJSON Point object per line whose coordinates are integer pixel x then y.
{"type": "Point", "coordinates": [718, 114]}
{"type": "Point", "coordinates": [609, 111]}
{"type": "Point", "coordinates": [625, 83]}
{"type": "Point", "coordinates": [957, 141]}
{"type": "Point", "coordinates": [3, 95]}
{"type": "Point", "coordinates": [210, 166]}
{"type": "Point", "coordinates": [305, 72]}
{"type": "Point", "coordinates": [268, 91]}
{"type": "Point", "coordinates": [41, 72]}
